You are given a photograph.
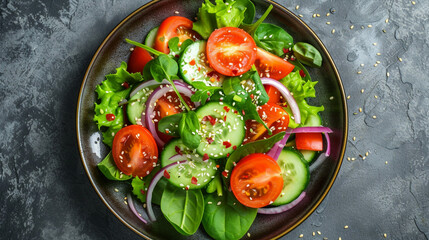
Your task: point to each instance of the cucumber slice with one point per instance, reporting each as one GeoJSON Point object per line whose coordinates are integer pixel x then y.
{"type": "Point", "coordinates": [193, 66]}
{"type": "Point", "coordinates": [150, 37]}
{"type": "Point", "coordinates": [308, 155]}
{"type": "Point", "coordinates": [295, 173]}
{"type": "Point", "coordinates": [137, 104]}
{"type": "Point", "coordinates": [181, 176]}
{"type": "Point", "coordinates": [222, 136]}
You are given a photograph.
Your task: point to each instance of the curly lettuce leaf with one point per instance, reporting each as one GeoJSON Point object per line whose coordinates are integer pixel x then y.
{"type": "Point", "coordinates": [212, 16]}
{"type": "Point", "coordinates": [110, 93]}
{"type": "Point", "coordinates": [301, 90]}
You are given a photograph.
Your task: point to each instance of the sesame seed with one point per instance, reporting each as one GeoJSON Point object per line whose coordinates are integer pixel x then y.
{"type": "Point", "coordinates": [339, 238]}
{"type": "Point", "coordinates": [385, 235]}
{"type": "Point", "coordinates": [375, 96]}
{"type": "Point", "coordinates": [354, 138]}
{"type": "Point", "coordinates": [331, 98]}
{"type": "Point", "coordinates": [345, 227]}
{"type": "Point", "coordinates": [327, 14]}
{"type": "Point", "coordinates": [375, 65]}
{"type": "Point", "coordinates": [314, 233]}
{"type": "Point", "coordinates": [362, 27]}
{"type": "Point", "coordinates": [362, 64]}
{"type": "Point", "coordinates": [328, 23]}
{"type": "Point", "coordinates": [348, 97]}
{"type": "Point", "coordinates": [314, 15]}
{"type": "Point", "coordinates": [375, 44]}
{"type": "Point", "coordinates": [125, 202]}
{"type": "Point", "coordinates": [248, 234]}
{"type": "Point", "coordinates": [218, 203]}
{"type": "Point", "coordinates": [131, 49]}
{"type": "Point", "coordinates": [318, 232]}
{"type": "Point", "coordinates": [352, 26]}
{"type": "Point", "coordinates": [333, 31]}
{"type": "Point", "coordinates": [301, 235]}
{"type": "Point", "coordinates": [359, 72]}
{"type": "Point", "coordinates": [116, 190]}
{"type": "Point", "coordinates": [378, 62]}
{"type": "Point", "coordinates": [370, 26]}
{"type": "Point", "coordinates": [378, 54]}
{"type": "Point", "coordinates": [353, 159]}
{"type": "Point", "coordinates": [413, 2]}
{"type": "Point", "coordinates": [355, 113]}
{"type": "Point", "coordinates": [362, 90]}
{"type": "Point", "coordinates": [176, 12]}
{"type": "Point", "coordinates": [387, 74]}
{"type": "Point", "coordinates": [374, 117]}
{"type": "Point", "coordinates": [386, 162]}
{"type": "Point", "coordinates": [348, 159]}
{"type": "Point", "coordinates": [300, 15]}
{"type": "Point", "coordinates": [384, 31]}
{"type": "Point", "coordinates": [360, 109]}
{"type": "Point", "coordinates": [400, 59]}
{"type": "Point", "coordinates": [297, 7]}
{"type": "Point", "coordinates": [366, 154]}
{"type": "Point", "coordinates": [387, 20]}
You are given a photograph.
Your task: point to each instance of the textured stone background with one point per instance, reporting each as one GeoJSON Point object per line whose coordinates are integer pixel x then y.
{"type": "Point", "coordinates": [45, 47]}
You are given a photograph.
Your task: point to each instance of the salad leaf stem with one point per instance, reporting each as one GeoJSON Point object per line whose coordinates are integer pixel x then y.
{"type": "Point", "coordinates": [251, 28]}
{"type": "Point", "coordinates": [147, 48]}
{"type": "Point", "coordinates": [180, 96]}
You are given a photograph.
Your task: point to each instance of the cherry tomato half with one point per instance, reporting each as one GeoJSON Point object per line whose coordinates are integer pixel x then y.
{"type": "Point", "coordinates": [174, 26]}
{"type": "Point", "coordinates": [134, 150]}
{"type": "Point", "coordinates": [274, 117]}
{"type": "Point", "coordinates": [309, 141]}
{"type": "Point", "coordinates": [138, 59]}
{"type": "Point", "coordinates": [274, 94]}
{"type": "Point", "coordinates": [231, 51]}
{"type": "Point", "coordinates": [272, 66]}
{"type": "Point", "coordinates": [256, 180]}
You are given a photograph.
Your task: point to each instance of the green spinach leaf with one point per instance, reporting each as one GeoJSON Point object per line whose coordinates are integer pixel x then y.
{"type": "Point", "coordinates": [203, 92]}
{"type": "Point", "coordinates": [140, 187]}
{"type": "Point", "coordinates": [110, 170]}
{"type": "Point", "coordinates": [307, 54]}
{"type": "Point", "coordinates": [170, 124]}
{"type": "Point", "coordinates": [260, 146]}
{"type": "Point", "coordinates": [163, 67]}
{"type": "Point", "coordinates": [176, 49]}
{"type": "Point", "coordinates": [188, 129]}
{"type": "Point", "coordinates": [251, 28]}
{"type": "Point", "coordinates": [273, 38]}
{"type": "Point", "coordinates": [226, 218]}
{"type": "Point", "coordinates": [183, 208]}
{"type": "Point", "coordinates": [248, 8]}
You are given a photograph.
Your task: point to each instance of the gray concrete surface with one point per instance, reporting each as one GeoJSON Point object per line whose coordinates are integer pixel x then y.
{"type": "Point", "coordinates": [45, 47]}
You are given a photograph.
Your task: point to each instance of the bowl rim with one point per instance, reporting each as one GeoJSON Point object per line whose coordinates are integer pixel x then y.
{"type": "Point", "coordinates": [329, 59]}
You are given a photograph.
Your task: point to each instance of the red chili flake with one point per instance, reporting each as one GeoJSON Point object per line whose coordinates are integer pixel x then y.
{"type": "Point", "coordinates": [142, 191]}
{"type": "Point", "coordinates": [234, 72]}
{"type": "Point", "coordinates": [208, 93]}
{"type": "Point", "coordinates": [125, 85]}
{"type": "Point", "coordinates": [205, 157]}
{"type": "Point", "coordinates": [192, 62]}
{"type": "Point", "coordinates": [226, 144]}
{"type": "Point", "coordinates": [227, 155]}
{"type": "Point", "coordinates": [234, 147]}
{"type": "Point", "coordinates": [243, 113]}
{"type": "Point", "coordinates": [217, 166]}
{"type": "Point", "coordinates": [177, 56]}
{"type": "Point", "coordinates": [302, 73]}
{"type": "Point", "coordinates": [225, 174]}
{"type": "Point", "coordinates": [285, 50]}
{"type": "Point", "coordinates": [110, 117]}
{"type": "Point", "coordinates": [213, 74]}
{"type": "Point", "coordinates": [194, 180]}
{"type": "Point", "coordinates": [252, 96]}
{"type": "Point", "coordinates": [226, 108]}
{"type": "Point", "coordinates": [211, 119]}
{"type": "Point", "coordinates": [235, 111]}
{"type": "Point", "coordinates": [178, 150]}
{"type": "Point", "coordinates": [187, 188]}
{"type": "Point", "coordinates": [166, 131]}
{"type": "Point", "coordinates": [244, 176]}
{"type": "Point", "coordinates": [166, 174]}
{"type": "Point", "coordinates": [210, 140]}
{"type": "Point", "coordinates": [224, 118]}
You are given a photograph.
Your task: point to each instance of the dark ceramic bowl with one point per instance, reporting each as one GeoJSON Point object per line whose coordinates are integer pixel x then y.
{"type": "Point", "coordinates": [113, 50]}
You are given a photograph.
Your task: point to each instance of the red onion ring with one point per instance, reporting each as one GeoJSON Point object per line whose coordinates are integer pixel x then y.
{"type": "Point", "coordinates": [278, 147]}
{"type": "Point", "coordinates": [133, 209]}
{"type": "Point", "coordinates": [147, 84]}
{"type": "Point", "coordinates": [287, 95]}
{"type": "Point", "coordinates": [148, 114]}
{"type": "Point", "coordinates": [152, 185]}
{"type": "Point", "coordinates": [282, 208]}
{"type": "Point", "coordinates": [309, 130]}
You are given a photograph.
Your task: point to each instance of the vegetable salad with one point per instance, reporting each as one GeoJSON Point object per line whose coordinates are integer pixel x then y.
{"type": "Point", "coordinates": [210, 120]}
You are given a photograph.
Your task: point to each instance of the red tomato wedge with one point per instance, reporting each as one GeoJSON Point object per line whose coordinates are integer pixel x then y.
{"type": "Point", "coordinates": [138, 59]}
{"type": "Point", "coordinates": [274, 117]}
{"type": "Point", "coordinates": [167, 105]}
{"type": "Point", "coordinates": [256, 180]}
{"type": "Point", "coordinates": [272, 66]}
{"type": "Point", "coordinates": [274, 94]}
{"type": "Point", "coordinates": [134, 151]}
{"type": "Point", "coordinates": [174, 26]}
{"type": "Point", "coordinates": [231, 51]}
{"type": "Point", "coordinates": [309, 141]}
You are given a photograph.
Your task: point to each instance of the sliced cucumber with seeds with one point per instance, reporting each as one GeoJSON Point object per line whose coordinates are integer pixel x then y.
{"type": "Point", "coordinates": [194, 67]}
{"type": "Point", "coordinates": [295, 173]}
{"type": "Point", "coordinates": [150, 37]}
{"type": "Point", "coordinates": [181, 175]}
{"type": "Point", "coordinates": [137, 104]}
{"type": "Point", "coordinates": [222, 129]}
